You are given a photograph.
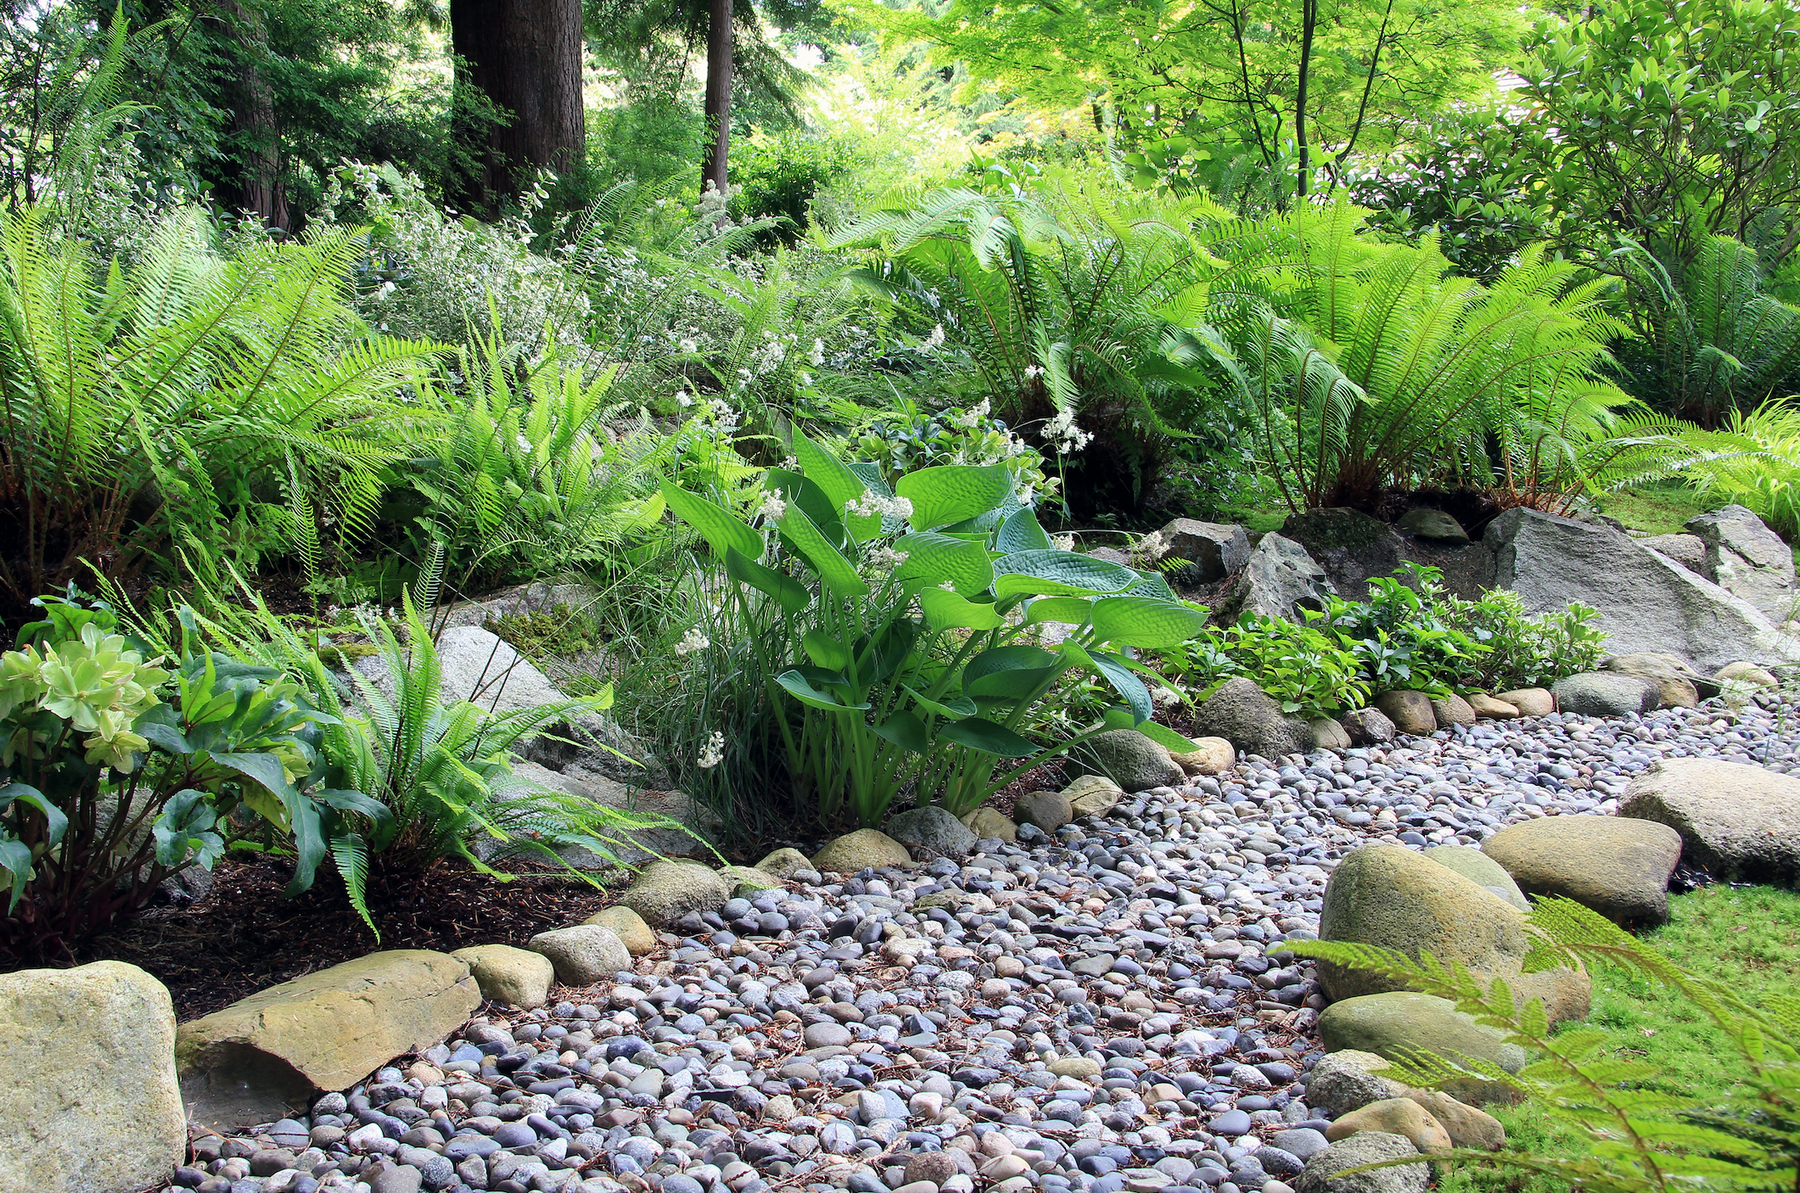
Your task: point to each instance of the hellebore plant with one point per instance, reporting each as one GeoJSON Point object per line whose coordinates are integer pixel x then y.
{"type": "Point", "coordinates": [915, 622]}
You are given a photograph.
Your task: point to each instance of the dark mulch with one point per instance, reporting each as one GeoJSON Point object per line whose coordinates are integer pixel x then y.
{"type": "Point", "coordinates": [242, 936]}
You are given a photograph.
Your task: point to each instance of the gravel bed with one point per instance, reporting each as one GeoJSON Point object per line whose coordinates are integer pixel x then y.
{"type": "Point", "coordinates": [1092, 1012]}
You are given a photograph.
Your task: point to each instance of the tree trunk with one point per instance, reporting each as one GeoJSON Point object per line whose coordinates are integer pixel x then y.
{"type": "Point", "coordinates": [1309, 21]}
{"type": "Point", "coordinates": [255, 132]}
{"type": "Point", "coordinates": [715, 168]}
{"type": "Point", "coordinates": [525, 57]}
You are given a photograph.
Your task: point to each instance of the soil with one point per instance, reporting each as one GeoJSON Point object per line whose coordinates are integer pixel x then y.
{"type": "Point", "coordinates": [242, 936]}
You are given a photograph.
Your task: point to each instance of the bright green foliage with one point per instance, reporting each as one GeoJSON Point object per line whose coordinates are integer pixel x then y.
{"type": "Point", "coordinates": [1398, 637]}
{"type": "Point", "coordinates": [220, 408]}
{"type": "Point", "coordinates": [1753, 460]}
{"type": "Point", "coordinates": [1712, 343]}
{"type": "Point", "coordinates": [1179, 83]}
{"type": "Point", "coordinates": [1071, 308]}
{"type": "Point", "coordinates": [1637, 1139]}
{"type": "Point", "coordinates": [1307, 671]}
{"type": "Point", "coordinates": [905, 659]}
{"type": "Point", "coordinates": [1367, 365]}
{"type": "Point", "coordinates": [109, 783]}
{"type": "Point", "coordinates": [1516, 649]}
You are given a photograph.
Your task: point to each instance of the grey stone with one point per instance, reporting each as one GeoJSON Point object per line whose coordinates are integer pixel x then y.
{"type": "Point", "coordinates": [1303, 1142]}
{"type": "Point", "coordinates": [1681, 686]}
{"type": "Point", "coordinates": [860, 850]}
{"type": "Point", "coordinates": [1452, 710]}
{"type": "Point", "coordinates": [88, 1090]}
{"type": "Point", "coordinates": [1646, 601]}
{"type": "Point", "coordinates": [1365, 1147]}
{"type": "Point", "coordinates": [933, 830]}
{"type": "Point", "coordinates": [1348, 1080]}
{"type": "Point", "coordinates": [1689, 550]}
{"type": "Point", "coordinates": [666, 891]}
{"type": "Point", "coordinates": [1741, 822]}
{"type": "Point", "coordinates": [1049, 810]}
{"type": "Point", "coordinates": [1480, 869]}
{"type": "Point", "coordinates": [1367, 727]}
{"type": "Point", "coordinates": [1618, 866]}
{"type": "Point", "coordinates": [1607, 694]}
{"type": "Point", "coordinates": [1208, 551]}
{"type": "Point", "coordinates": [1277, 579]}
{"type": "Point", "coordinates": [1131, 760]}
{"type": "Point", "coordinates": [1329, 734]}
{"type": "Point", "coordinates": [1351, 546]}
{"type": "Point", "coordinates": [1745, 557]}
{"type": "Point", "coordinates": [1247, 717]}
{"type": "Point", "coordinates": [583, 954]}
{"type": "Point", "coordinates": [1424, 523]}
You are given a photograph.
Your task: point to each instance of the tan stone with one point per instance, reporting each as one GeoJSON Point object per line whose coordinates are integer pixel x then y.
{"type": "Point", "coordinates": [1531, 702]}
{"type": "Point", "coordinates": [1616, 865]}
{"type": "Point", "coordinates": [1452, 710]}
{"type": "Point", "coordinates": [1468, 1127]}
{"type": "Point", "coordinates": [860, 850]}
{"type": "Point", "coordinates": [1411, 712]}
{"type": "Point", "coordinates": [1093, 795]}
{"type": "Point", "coordinates": [88, 1096]}
{"type": "Point", "coordinates": [511, 977]}
{"type": "Point", "coordinates": [1746, 675]}
{"type": "Point", "coordinates": [1396, 1116]}
{"type": "Point", "coordinates": [265, 1056]}
{"type": "Point", "coordinates": [629, 926]}
{"type": "Point", "coordinates": [1492, 709]}
{"type": "Point", "coordinates": [785, 863]}
{"type": "Point", "coordinates": [1210, 756]}
{"type": "Point", "coordinates": [667, 890]}
{"type": "Point", "coordinates": [987, 823]}
{"type": "Point", "coordinates": [744, 881]}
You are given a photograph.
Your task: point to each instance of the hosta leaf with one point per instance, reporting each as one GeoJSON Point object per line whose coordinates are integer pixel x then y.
{"type": "Point", "coordinates": [1059, 573]}
{"type": "Point", "coordinates": [837, 482]}
{"type": "Point", "coordinates": [825, 651]}
{"type": "Point", "coordinates": [1009, 672]}
{"type": "Point", "coordinates": [954, 707]}
{"type": "Point", "coordinates": [944, 610]}
{"type": "Point", "coordinates": [904, 730]}
{"type": "Point", "coordinates": [1145, 621]}
{"type": "Point", "coordinates": [787, 592]}
{"type": "Point", "coordinates": [716, 524]}
{"type": "Point", "coordinates": [835, 572]}
{"type": "Point", "coordinates": [796, 685]}
{"type": "Point", "coordinates": [1021, 532]}
{"type": "Point", "coordinates": [933, 558]}
{"type": "Point", "coordinates": [1067, 610]}
{"type": "Point", "coordinates": [953, 492]}
{"type": "Point", "coordinates": [980, 734]}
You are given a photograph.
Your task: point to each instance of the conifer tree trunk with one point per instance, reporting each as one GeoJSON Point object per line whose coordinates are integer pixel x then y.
{"type": "Point", "coordinates": [525, 57]}
{"type": "Point", "coordinates": [719, 48]}
{"type": "Point", "coordinates": [255, 131]}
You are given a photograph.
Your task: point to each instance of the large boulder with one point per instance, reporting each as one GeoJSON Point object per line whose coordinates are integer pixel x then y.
{"type": "Point", "coordinates": [584, 954]}
{"type": "Point", "coordinates": [1366, 1147]}
{"type": "Point", "coordinates": [1411, 712]}
{"type": "Point", "coordinates": [1351, 546]}
{"type": "Point", "coordinates": [511, 977]}
{"type": "Point", "coordinates": [1607, 694]}
{"type": "Point", "coordinates": [1618, 866]}
{"type": "Point", "coordinates": [1452, 710]}
{"type": "Point", "coordinates": [1207, 551]}
{"type": "Point", "coordinates": [1480, 869]}
{"type": "Point", "coordinates": [933, 830]}
{"type": "Point", "coordinates": [1399, 1023]}
{"type": "Point", "coordinates": [861, 850]}
{"type": "Point", "coordinates": [629, 927]}
{"type": "Point", "coordinates": [687, 819]}
{"type": "Point", "coordinates": [1131, 760]}
{"type": "Point", "coordinates": [1395, 898]}
{"type": "Point", "coordinates": [1741, 822]}
{"type": "Point", "coordinates": [1680, 686]}
{"type": "Point", "coordinates": [665, 891]}
{"type": "Point", "coordinates": [1647, 602]}
{"type": "Point", "coordinates": [1278, 579]}
{"type": "Point", "coordinates": [265, 1056]}
{"type": "Point", "coordinates": [1746, 558]}
{"type": "Point", "coordinates": [88, 1091]}
{"type": "Point", "coordinates": [1689, 550]}
{"type": "Point", "coordinates": [1247, 717]}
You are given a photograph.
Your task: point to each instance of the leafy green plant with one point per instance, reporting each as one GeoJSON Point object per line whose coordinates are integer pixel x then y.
{"type": "Point", "coordinates": [1400, 637]}
{"type": "Point", "coordinates": [905, 660]}
{"type": "Point", "coordinates": [1637, 1140]}
{"type": "Point", "coordinates": [1366, 365]}
{"type": "Point", "coordinates": [216, 407]}
{"type": "Point", "coordinates": [439, 772]}
{"type": "Point", "coordinates": [107, 788]}
{"type": "Point", "coordinates": [1307, 671]}
{"type": "Point", "coordinates": [1520, 650]}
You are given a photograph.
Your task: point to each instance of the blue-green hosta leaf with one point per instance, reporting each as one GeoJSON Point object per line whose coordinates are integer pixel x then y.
{"type": "Point", "coordinates": [953, 492]}
{"type": "Point", "coordinates": [904, 730]}
{"type": "Point", "coordinates": [1021, 532]}
{"type": "Point", "coordinates": [825, 651]}
{"type": "Point", "coordinates": [1130, 688]}
{"type": "Point", "coordinates": [15, 859]}
{"type": "Point", "coordinates": [795, 684]}
{"type": "Point", "coordinates": [987, 737]}
{"type": "Point", "coordinates": [786, 591]}
{"type": "Point", "coordinates": [797, 490]}
{"type": "Point", "coordinates": [1059, 573]}
{"type": "Point", "coordinates": [716, 524]}
{"type": "Point", "coordinates": [954, 707]}
{"type": "Point", "coordinates": [1145, 621]}
{"type": "Point", "coordinates": [932, 558]}
{"type": "Point", "coordinates": [944, 610]}
{"type": "Point", "coordinates": [1009, 672]}
{"type": "Point", "coordinates": [1119, 717]}
{"type": "Point", "coordinates": [839, 483]}
{"type": "Point", "coordinates": [835, 572]}
{"type": "Point", "coordinates": [1066, 610]}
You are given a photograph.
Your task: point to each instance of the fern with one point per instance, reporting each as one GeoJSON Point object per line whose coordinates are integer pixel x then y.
{"type": "Point", "coordinates": [1637, 1140]}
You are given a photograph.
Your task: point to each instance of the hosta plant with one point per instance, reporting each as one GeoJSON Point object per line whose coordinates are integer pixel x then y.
{"type": "Point", "coordinates": [913, 656]}
{"type": "Point", "coordinates": [116, 771]}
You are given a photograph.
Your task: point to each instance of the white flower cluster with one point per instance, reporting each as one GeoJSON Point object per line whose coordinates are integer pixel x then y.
{"type": "Point", "coordinates": [886, 558]}
{"type": "Point", "coordinates": [872, 504]}
{"type": "Point", "coordinates": [1151, 547]}
{"type": "Point", "coordinates": [971, 418]}
{"type": "Point", "coordinates": [773, 508]}
{"type": "Point", "coordinates": [692, 642]}
{"type": "Point", "coordinates": [1062, 435]}
{"type": "Point", "coordinates": [713, 752]}
{"type": "Point", "coordinates": [935, 340]}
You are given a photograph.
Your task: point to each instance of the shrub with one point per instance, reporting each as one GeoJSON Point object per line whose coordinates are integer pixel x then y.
{"type": "Point", "coordinates": [1307, 670]}
{"type": "Point", "coordinates": [872, 699]}
{"type": "Point", "coordinates": [1400, 638]}
{"type": "Point", "coordinates": [1521, 650]}
{"type": "Point", "coordinates": [109, 783]}
{"type": "Point", "coordinates": [1637, 1141]}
